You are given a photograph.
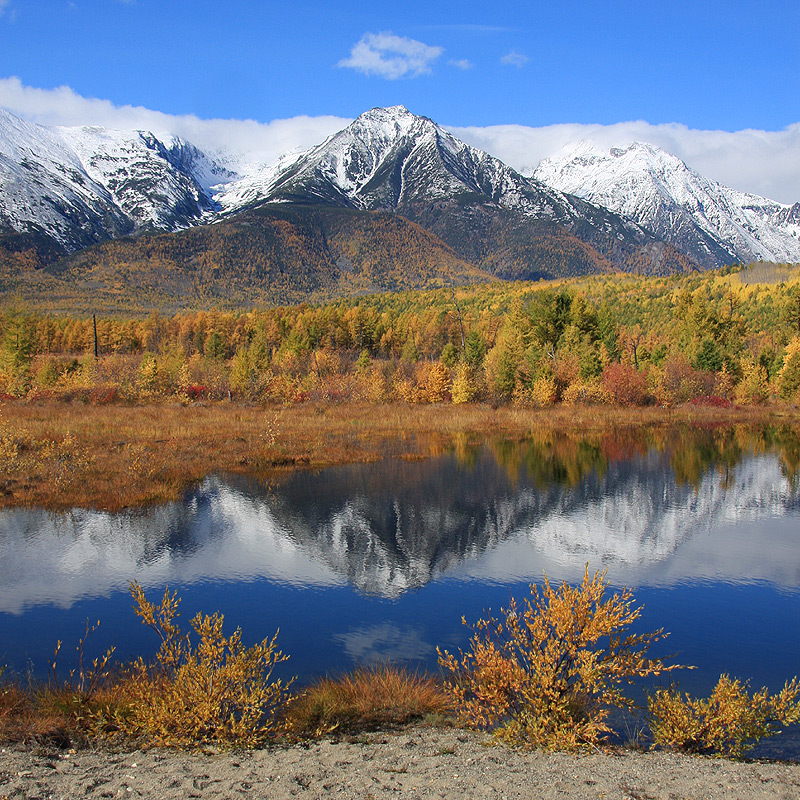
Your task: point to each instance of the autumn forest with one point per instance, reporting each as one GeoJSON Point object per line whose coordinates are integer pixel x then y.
{"type": "Point", "coordinates": [730, 336]}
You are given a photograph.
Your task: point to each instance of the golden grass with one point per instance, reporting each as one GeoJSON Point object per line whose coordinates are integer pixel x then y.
{"type": "Point", "coordinates": [371, 697]}
{"type": "Point", "coordinates": [114, 456]}
{"type": "Point", "coordinates": [57, 714]}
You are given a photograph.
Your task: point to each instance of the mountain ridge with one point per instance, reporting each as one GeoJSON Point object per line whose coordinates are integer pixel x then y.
{"type": "Point", "coordinates": [710, 222]}
{"type": "Point", "coordinates": [64, 189]}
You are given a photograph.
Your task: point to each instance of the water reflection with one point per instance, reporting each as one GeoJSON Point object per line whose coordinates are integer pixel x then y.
{"type": "Point", "coordinates": [656, 507]}
{"type": "Point", "coordinates": [384, 642]}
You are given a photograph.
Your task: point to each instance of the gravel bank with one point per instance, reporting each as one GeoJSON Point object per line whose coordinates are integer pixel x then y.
{"type": "Point", "coordinates": [414, 763]}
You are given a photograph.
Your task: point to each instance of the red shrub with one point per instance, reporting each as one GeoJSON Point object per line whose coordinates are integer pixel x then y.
{"type": "Point", "coordinates": [626, 385]}
{"type": "Point", "coordinates": [711, 400]}
{"type": "Point", "coordinates": [103, 395]}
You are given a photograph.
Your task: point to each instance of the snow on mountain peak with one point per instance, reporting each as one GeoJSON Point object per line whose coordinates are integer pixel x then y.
{"type": "Point", "coordinates": [713, 223]}
{"type": "Point", "coordinates": [84, 184]}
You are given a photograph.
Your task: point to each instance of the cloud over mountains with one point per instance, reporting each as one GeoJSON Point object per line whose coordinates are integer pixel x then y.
{"type": "Point", "coordinates": [389, 56]}
{"type": "Point", "coordinates": [762, 162]}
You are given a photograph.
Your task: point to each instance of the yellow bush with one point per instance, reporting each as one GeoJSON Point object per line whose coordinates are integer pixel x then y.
{"type": "Point", "coordinates": [375, 386]}
{"type": "Point", "coordinates": [433, 380]}
{"type": "Point", "coordinates": [542, 392]}
{"type": "Point", "coordinates": [404, 389]}
{"type": "Point", "coordinates": [728, 723]}
{"type": "Point", "coordinates": [215, 691]}
{"type": "Point", "coordinates": [585, 394]}
{"type": "Point", "coordinates": [547, 671]}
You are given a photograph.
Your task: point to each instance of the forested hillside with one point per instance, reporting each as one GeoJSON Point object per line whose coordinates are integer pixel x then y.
{"type": "Point", "coordinates": [275, 254]}
{"type": "Point", "coordinates": [282, 253]}
{"type": "Point", "coordinates": [730, 336]}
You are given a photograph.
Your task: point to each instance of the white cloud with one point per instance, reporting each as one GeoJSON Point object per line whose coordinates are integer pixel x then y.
{"type": "Point", "coordinates": [762, 162]}
{"type": "Point", "coordinates": [391, 56]}
{"type": "Point", "coordinates": [460, 63]}
{"type": "Point", "coordinates": [250, 141]}
{"type": "Point", "coordinates": [515, 59]}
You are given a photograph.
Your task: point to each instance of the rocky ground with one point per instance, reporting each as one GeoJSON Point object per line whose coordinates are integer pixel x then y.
{"type": "Point", "coordinates": [414, 763]}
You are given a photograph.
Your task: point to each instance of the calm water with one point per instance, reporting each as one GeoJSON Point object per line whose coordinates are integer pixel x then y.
{"type": "Point", "coordinates": [381, 561]}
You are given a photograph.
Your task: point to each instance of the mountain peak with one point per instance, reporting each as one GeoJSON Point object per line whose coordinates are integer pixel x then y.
{"type": "Point", "coordinates": [714, 224]}
{"type": "Point", "coordinates": [387, 111]}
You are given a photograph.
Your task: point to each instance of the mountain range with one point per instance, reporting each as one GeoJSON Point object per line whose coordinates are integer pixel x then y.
{"type": "Point", "coordinates": [392, 201]}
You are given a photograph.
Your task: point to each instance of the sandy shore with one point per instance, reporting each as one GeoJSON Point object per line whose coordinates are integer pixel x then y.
{"type": "Point", "coordinates": [415, 763]}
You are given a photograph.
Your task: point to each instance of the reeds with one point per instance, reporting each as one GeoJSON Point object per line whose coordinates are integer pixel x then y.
{"type": "Point", "coordinates": [371, 697]}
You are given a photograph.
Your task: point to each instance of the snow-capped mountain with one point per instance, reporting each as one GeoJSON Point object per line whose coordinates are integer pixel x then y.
{"type": "Point", "coordinates": [157, 181]}
{"type": "Point", "coordinates": [712, 223]}
{"type": "Point", "coordinates": [390, 159]}
{"type": "Point", "coordinates": [85, 184]}
{"type": "Point", "coordinates": [636, 209]}
{"type": "Point", "coordinates": [44, 188]}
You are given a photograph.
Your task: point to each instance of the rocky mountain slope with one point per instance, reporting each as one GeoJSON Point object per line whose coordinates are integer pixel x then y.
{"type": "Point", "coordinates": [711, 223]}
{"type": "Point", "coordinates": [63, 190]}
{"type": "Point", "coordinates": [84, 185]}
{"type": "Point", "coordinates": [391, 159]}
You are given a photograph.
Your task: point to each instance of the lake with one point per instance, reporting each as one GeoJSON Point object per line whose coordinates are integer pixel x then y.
{"type": "Point", "coordinates": [380, 561]}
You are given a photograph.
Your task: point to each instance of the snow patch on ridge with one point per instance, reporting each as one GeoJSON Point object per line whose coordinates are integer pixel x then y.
{"type": "Point", "coordinates": [663, 194]}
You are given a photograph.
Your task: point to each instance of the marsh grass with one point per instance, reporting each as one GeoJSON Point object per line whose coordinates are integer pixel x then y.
{"type": "Point", "coordinates": [370, 698]}
{"type": "Point", "coordinates": [61, 455]}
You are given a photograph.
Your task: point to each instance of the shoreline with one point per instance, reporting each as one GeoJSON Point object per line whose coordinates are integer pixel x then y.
{"type": "Point", "coordinates": [420, 762]}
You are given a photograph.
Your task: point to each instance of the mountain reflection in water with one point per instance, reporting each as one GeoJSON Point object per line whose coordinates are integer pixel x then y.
{"type": "Point", "coordinates": [705, 507]}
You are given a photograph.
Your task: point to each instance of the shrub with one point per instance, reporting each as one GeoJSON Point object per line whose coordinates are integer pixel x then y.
{"type": "Point", "coordinates": [680, 381]}
{"type": "Point", "coordinates": [789, 376]}
{"type": "Point", "coordinates": [591, 393]}
{"type": "Point", "coordinates": [542, 392]}
{"type": "Point", "coordinates": [728, 723]}
{"type": "Point", "coordinates": [215, 691]}
{"type": "Point", "coordinates": [547, 672]}
{"type": "Point", "coordinates": [625, 384]}
{"type": "Point", "coordinates": [433, 381]}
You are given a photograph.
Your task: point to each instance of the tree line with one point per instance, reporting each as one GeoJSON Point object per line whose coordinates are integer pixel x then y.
{"type": "Point", "coordinates": [719, 337]}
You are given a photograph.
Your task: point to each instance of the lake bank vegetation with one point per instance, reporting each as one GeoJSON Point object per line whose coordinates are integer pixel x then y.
{"type": "Point", "coordinates": [111, 412]}
{"type": "Point", "coordinates": [543, 674]}
{"type": "Point", "coordinates": [62, 455]}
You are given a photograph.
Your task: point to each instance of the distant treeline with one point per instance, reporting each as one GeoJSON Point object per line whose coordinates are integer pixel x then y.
{"type": "Point", "coordinates": [730, 336]}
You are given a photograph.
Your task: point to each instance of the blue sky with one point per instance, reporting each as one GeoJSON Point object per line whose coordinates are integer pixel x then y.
{"type": "Point", "coordinates": [704, 66]}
